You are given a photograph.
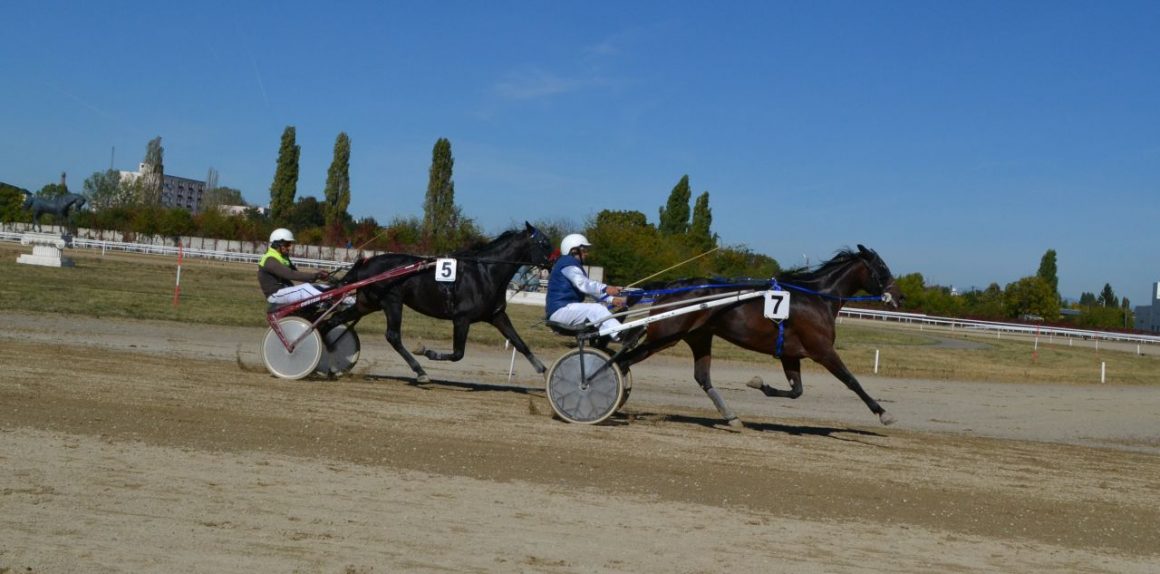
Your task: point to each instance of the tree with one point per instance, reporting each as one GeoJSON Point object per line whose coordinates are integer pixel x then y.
{"type": "Point", "coordinates": [674, 217]}
{"type": "Point", "coordinates": [103, 190]}
{"type": "Point", "coordinates": [740, 262]}
{"type": "Point", "coordinates": [1031, 296]}
{"type": "Point", "coordinates": [1047, 271]}
{"type": "Point", "coordinates": [338, 183]}
{"type": "Point", "coordinates": [628, 247]}
{"type": "Point", "coordinates": [285, 185]}
{"type": "Point", "coordinates": [11, 202]}
{"type": "Point", "coordinates": [1108, 297]}
{"type": "Point", "coordinates": [701, 236]}
{"type": "Point", "coordinates": [220, 196]}
{"type": "Point", "coordinates": [985, 304]}
{"type": "Point", "coordinates": [306, 213]}
{"type": "Point", "coordinates": [441, 218]}
{"type": "Point", "coordinates": [1087, 299]}
{"type": "Point", "coordinates": [52, 191]}
{"type": "Point", "coordinates": [152, 173]}
{"type": "Point", "coordinates": [913, 289]}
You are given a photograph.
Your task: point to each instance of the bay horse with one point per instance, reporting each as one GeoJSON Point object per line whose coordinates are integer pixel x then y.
{"type": "Point", "coordinates": [479, 292]}
{"type": "Point", "coordinates": [61, 207]}
{"type": "Point", "coordinates": [816, 297]}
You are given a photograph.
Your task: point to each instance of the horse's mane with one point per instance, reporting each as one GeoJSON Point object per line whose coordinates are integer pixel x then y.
{"type": "Point", "coordinates": [807, 275]}
{"type": "Point", "coordinates": [484, 247]}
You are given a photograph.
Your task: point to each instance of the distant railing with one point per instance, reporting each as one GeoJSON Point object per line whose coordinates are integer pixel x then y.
{"type": "Point", "coordinates": [106, 246]}
{"type": "Point", "coordinates": [997, 327]}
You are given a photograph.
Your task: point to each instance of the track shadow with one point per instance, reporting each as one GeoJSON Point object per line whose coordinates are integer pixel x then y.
{"type": "Point", "coordinates": [716, 424]}
{"type": "Point", "coordinates": [435, 384]}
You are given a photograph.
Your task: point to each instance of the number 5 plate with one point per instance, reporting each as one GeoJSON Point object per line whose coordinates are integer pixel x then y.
{"type": "Point", "coordinates": [445, 270]}
{"type": "Point", "coordinates": [777, 305]}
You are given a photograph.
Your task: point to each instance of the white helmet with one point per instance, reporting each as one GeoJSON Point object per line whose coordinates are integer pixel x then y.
{"type": "Point", "coordinates": [572, 242]}
{"type": "Point", "coordinates": [281, 234]}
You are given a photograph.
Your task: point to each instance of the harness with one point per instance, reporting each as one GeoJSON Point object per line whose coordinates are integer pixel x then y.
{"type": "Point", "coordinates": [650, 296]}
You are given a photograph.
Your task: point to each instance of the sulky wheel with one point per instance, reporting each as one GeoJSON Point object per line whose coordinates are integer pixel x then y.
{"type": "Point", "coordinates": [589, 401]}
{"type": "Point", "coordinates": [627, 389]}
{"type": "Point", "coordinates": [306, 355]}
{"type": "Point", "coordinates": [340, 353]}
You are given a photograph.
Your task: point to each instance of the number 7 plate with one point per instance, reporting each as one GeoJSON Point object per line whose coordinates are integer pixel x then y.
{"type": "Point", "coordinates": [777, 305]}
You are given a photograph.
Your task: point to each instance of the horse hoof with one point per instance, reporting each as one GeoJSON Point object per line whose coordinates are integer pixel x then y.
{"type": "Point", "coordinates": [732, 425]}
{"type": "Point", "coordinates": [886, 418]}
{"type": "Point", "coordinates": [422, 379]}
{"type": "Point", "coordinates": [755, 383]}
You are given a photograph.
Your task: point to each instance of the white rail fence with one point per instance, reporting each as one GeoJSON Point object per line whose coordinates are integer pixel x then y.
{"type": "Point", "coordinates": [318, 257]}
{"type": "Point", "coordinates": [998, 328]}
{"type": "Point", "coordinates": [337, 257]}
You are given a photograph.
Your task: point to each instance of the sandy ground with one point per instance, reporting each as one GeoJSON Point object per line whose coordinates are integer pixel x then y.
{"type": "Point", "coordinates": [139, 446]}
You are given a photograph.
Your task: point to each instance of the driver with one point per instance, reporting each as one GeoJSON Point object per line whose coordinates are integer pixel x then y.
{"type": "Point", "coordinates": [568, 284]}
{"type": "Point", "coordinates": [277, 274]}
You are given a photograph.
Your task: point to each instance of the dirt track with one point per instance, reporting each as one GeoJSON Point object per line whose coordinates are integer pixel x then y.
{"type": "Point", "coordinates": [152, 446]}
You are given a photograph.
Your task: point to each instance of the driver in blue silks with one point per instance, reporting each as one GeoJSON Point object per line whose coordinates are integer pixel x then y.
{"type": "Point", "coordinates": [569, 284]}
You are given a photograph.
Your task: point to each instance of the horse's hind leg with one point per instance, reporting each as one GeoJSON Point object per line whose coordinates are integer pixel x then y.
{"type": "Point", "coordinates": [702, 345]}
{"type": "Point", "coordinates": [834, 364]}
{"type": "Point", "coordinates": [394, 313]}
{"type": "Point", "coordinates": [793, 374]}
{"type": "Point", "coordinates": [503, 323]}
{"type": "Point", "coordinates": [459, 338]}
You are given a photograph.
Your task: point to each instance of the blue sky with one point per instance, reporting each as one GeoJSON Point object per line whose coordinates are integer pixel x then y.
{"type": "Point", "coordinates": [959, 139]}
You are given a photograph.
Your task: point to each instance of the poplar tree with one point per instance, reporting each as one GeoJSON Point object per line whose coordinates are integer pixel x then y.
{"type": "Point", "coordinates": [701, 235]}
{"type": "Point", "coordinates": [439, 212]}
{"type": "Point", "coordinates": [153, 172]}
{"type": "Point", "coordinates": [338, 182]}
{"type": "Point", "coordinates": [1047, 271]}
{"type": "Point", "coordinates": [285, 185]}
{"type": "Point", "coordinates": [674, 217]}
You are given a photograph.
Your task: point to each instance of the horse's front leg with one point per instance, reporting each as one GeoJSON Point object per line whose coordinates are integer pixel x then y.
{"type": "Point", "coordinates": [503, 323]}
{"type": "Point", "coordinates": [834, 364]}
{"type": "Point", "coordinates": [793, 374]}
{"type": "Point", "coordinates": [394, 312]}
{"type": "Point", "coordinates": [702, 345]}
{"type": "Point", "coordinates": [459, 336]}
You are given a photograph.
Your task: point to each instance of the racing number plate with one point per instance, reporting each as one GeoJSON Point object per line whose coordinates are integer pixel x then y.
{"type": "Point", "coordinates": [445, 270]}
{"type": "Point", "coordinates": [777, 305]}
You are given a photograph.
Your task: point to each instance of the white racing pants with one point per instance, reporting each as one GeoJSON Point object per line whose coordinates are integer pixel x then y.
{"type": "Point", "coordinates": [576, 313]}
{"type": "Point", "coordinates": [293, 294]}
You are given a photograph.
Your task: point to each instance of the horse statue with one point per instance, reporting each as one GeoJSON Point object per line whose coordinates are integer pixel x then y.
{"type": "Point", "coordinates": [816, 297]}
{"type": "Point", "coordinates": [61, 207]}
{"type": "Point", "coordinates": [478, 292]}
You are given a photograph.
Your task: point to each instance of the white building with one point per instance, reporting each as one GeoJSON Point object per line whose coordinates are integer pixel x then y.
{"type": "Point", "coordinates": [175, 191]}
{"type": "Point", "coordinates": [1148, 316]}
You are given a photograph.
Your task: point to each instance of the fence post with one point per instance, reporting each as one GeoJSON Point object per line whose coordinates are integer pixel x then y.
{"type": "Point", "coordinates": [875, 361]}
{"type": "Point", "coordinates": [1103, 372]}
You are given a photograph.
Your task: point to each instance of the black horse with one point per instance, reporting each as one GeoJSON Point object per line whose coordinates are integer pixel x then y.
{"type": "Point", "coordinates": [479, 292]}
{"type": "Point", "coordinates": [815, 298]}
{"type": "Point", "coordinates": [61, 207]}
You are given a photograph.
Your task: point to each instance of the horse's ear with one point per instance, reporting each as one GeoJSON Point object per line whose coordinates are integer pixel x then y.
{"type": "Point", "coordinates": [529, 227]}
{"type": "Point", "coordinates": [862, 248]}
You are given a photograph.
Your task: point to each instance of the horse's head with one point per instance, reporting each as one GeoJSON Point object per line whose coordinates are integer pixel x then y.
{"type": "Point", "coordinates": [27, 199]}
{"type": "Point", "coordinates": [540, 248]}
{"type": "Point", "coordinates": [880, 280]}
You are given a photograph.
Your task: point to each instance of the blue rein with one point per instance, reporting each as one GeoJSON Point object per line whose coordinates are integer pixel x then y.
{"type": "Point", "coordinates": [650, 296]}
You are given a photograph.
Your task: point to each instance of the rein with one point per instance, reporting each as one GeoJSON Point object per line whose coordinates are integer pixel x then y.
{"type": "Point", "coordinates": [650, 296]}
